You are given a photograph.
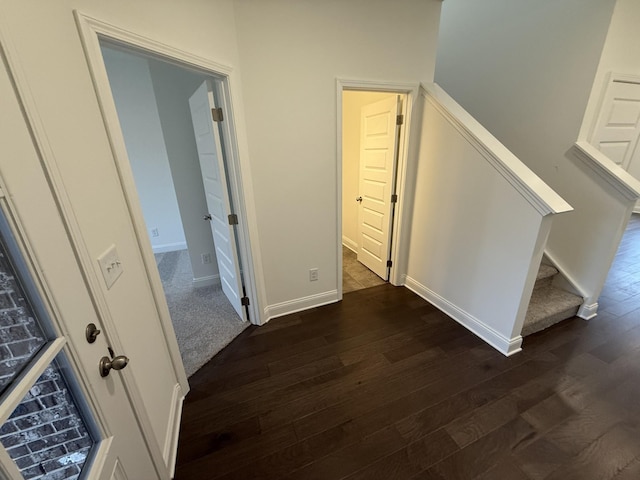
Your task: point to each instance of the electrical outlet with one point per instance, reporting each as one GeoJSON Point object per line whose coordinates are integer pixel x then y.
{"type": "Point", "coordinates": [313, 274]}
{"type": "Point", "coordinates": [206, 258]}
{"type": "Point", "coordinates": [155, 232]}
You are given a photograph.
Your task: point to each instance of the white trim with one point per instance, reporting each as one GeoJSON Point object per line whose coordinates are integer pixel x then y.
{"type": "Point", "coordinates": [169, 247]}
{"type": "Point", "coordinates": [411, 91]}
{"type": "Point", "coordinates": [537, 193]}
{"type": "Point", "coordinates": [20, 389]}
{"type": "Point", "coordinates": [299, 304]}
{"type": "Point", "coordinates": [350, 244]}
{"type": "Point", "coordinates": [101, 455]}
{"type": "Point", "coordinates": [170, 451]}
{"type": "Point", "coordinates": [588, 311]}
{"type": "Point", "coordinates": [616, 176]}
{"type": "Point", "coordinates": [206, 281]}
{"type": "Point", "coordinates": [506, 346]}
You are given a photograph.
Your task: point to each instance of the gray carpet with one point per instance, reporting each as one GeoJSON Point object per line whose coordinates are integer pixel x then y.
{"type": "Point", "coordinates": [203, 318]}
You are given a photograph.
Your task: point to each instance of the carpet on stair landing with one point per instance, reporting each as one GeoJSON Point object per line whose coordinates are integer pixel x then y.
{"type": "Point", "coordinates": [203, 319]}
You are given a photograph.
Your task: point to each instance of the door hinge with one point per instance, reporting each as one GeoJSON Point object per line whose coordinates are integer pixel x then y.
{"type": "Point", "coordinates": [399, 119]}
{"type": "Point", "coordinates": [394, 198]}
{"type": "Point", "coordinates": [233, 219]}
{"type": "Point", "coordinates": [244, 301]}
{"type": "Point", "coordinates": [389, 263]}
{"type": "Point", "coordinates": [216, 113]}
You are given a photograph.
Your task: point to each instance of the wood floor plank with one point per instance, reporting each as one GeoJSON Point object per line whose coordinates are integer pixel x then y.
{"type": "Point", "coordinates": [384, 386]}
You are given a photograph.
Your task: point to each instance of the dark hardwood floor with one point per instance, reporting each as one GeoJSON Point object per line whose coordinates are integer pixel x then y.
{"type": "Point", "coordinates": [384, 386]}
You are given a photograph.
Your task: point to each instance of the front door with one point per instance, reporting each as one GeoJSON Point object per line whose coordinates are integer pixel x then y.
{"type": "Point", "coordinates": [378, 159]}
{"type": "Point", "coordinates": [59, 416]}
{"type": "Point", "coordinates": [214, 177]}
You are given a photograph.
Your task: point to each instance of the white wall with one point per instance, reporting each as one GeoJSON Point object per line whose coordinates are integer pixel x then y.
{"type": "Point", "coordinates": [173, 86]}
{"type": "Point", "coordinates": [525, 71]}
{"type": "Point", "coordinates": [138, 114]}
{"type": "Point", "coordinates": [45, 42]}
{"type": "Point", "coordinates": [476, 237]}
{"type": "Point", "coordinates": [292, 53]}
{"type": "Point", "coordinates": [352, 103]}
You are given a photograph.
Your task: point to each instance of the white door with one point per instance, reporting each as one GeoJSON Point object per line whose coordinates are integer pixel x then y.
{"type": "Point", "coordinates": [59, 416]}
{"type": "Point", "coordinates": [618, 125]}
{"type": "Point", "coordinates": [216, 190]}
{"type": "Point", "coordinates": [378, 153]}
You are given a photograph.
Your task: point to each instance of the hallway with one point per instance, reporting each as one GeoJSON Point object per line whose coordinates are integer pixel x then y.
{"type": "Point", "coordinates": [383, 385]}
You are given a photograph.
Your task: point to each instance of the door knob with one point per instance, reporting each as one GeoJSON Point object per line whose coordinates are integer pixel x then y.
{"type": "Point", "coordinates": [106, 364]}
{"type": "Point", "coordinates": [207, 217]}
{"type": "Point", "coordinates": [358, 199]}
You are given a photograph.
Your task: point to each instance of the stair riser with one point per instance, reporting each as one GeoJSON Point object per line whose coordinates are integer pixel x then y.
{"type": "Point", "coordinates": [545, 282]}
{"type": "Point", "coordinates": [549, 321]}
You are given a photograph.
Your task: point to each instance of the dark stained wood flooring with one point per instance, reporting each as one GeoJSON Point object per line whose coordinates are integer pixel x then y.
{"type": "Point", "coordinates": [384, 386]}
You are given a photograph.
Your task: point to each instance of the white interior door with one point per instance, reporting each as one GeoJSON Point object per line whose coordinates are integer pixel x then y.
{"type": "Point", "coordinates": [618, 126]}
{"type": "Point", "coordinates": [216, 190]}
{"type": "Point", "coordinates": [378, 152]}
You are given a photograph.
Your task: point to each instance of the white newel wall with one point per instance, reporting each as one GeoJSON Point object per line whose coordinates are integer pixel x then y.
{"type": "Point", "coordinates": [479, 225]}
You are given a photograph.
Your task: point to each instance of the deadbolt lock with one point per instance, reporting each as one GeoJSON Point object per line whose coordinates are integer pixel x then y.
{"type": "Point", "coordinates": [91, 332]}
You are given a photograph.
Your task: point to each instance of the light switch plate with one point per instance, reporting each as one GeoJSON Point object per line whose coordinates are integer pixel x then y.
{"type": "Point", "coordinates": [110, 265]}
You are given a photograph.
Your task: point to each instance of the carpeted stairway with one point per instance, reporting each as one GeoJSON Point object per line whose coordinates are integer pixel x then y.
{"type": "Point", "coordinates": [549, 305]}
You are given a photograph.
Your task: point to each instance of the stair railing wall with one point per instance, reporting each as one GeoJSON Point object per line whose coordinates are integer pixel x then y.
{"type": "Point", "coordinates": [584, 244]}
{"type": "Point", "coordinates": [479, 224]}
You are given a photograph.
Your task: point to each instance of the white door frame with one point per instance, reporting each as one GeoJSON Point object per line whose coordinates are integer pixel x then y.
{"type": "Point", "coordinates": [411, 90]}
{"type": "Point", "coordinates": [92, 31]}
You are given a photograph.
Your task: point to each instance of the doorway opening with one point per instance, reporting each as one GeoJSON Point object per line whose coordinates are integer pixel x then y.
{"type": "Point", "coordinates": [372, 140]}
{"type": "Point", "coordinates": [175, 155]}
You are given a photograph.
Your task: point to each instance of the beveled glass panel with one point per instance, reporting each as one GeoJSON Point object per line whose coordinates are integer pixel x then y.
{"type": "Point", "coordinates": [46, 435]}
{"type": "Point", "coordinates": [21, 335]}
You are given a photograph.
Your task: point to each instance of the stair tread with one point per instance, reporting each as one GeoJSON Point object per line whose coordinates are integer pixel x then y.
{"type": "Point", "coordinates": [550, 300]}
{"type": "Point", "coordinates": [546, 271]}
{"type": "Point", "coordinates": [548, 306]}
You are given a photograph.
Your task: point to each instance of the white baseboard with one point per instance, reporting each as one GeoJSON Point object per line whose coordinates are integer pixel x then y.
{"type": "Point", "coordinates": [588, 311]}
{"type": "Point", "coordinates": [170, 450]}
{"type": "Point", "coordinates": [350, 244]}
{"type": "Point", "coordinates": [169, 247]}
{"type": "Point", "coordinates": [506, 346]}
{"type": "Point", "coordinates": [299, 304]}
{"type": "Point", "coordinates": [206, 281]}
